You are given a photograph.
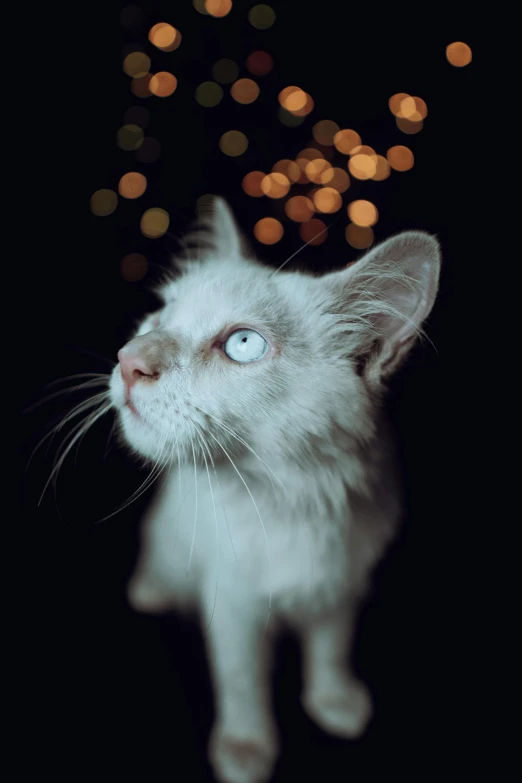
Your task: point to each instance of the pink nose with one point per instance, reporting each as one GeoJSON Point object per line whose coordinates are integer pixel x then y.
{"type": "Point", "coordinates": [134, 366]}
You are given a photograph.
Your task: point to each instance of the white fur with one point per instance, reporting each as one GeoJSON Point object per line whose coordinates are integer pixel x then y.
{"type": "Point", "coordinates": [280, 492]}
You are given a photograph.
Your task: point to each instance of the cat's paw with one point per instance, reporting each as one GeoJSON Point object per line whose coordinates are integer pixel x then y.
{"type": "Point", "coordinates": [344, 711]}
{"type": "Point", "coordinates": [242, 758]}
{"type": "Point", "coordinates": [145, 596]}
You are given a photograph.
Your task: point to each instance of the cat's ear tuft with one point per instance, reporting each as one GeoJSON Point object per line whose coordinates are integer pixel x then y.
{"type": "Point", "coordinates": [387, 295]}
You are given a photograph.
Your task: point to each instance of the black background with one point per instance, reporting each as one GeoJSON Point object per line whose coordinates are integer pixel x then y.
{"type": "Point", "coordinates": [113, 693]}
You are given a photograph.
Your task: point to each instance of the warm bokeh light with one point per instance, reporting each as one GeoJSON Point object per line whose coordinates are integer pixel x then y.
{"type": "Point", "coordinates": [313, 232]}
{"type": "Point", "coordinates": [409, 126]}
{"type": "Point", "coordinates": [251, 183]}
{"type": "Point", "coordinates": [244, 91]}
{"type": "Point", "coordinates": [154, 222]}
{"type": "Point", "coordinates": [359, 237]}
{"type": "Point", "coordinates": [315, 169]}
{"type": "Point", "coordinates": [199, 5]}
{"type": "Point", "coordinates": [165, 37]}
{"type": "Point", "coordinates": [292, 98]}
{"type": "Point", "coordinates": [363, 149]}
{"type": "Point", "coordinates": [233, 143]}
{"type": "Point", "coordinates": [137, 115]}
{"type": "Point", "coordinates": [136, 64]}
{"type": "Point", "coordinates": [133, 267]}
{"type": "Point", "coordinates": [218, 8]}
{"type": "Point", "coordinates": [310, 153]}
{"type": "Point", "coordinates": [259, 63]}
{"type": "Point", "coordinates": [413, 108]}
{"type": "Point", "coordinates": [208, 94]}
{"type": "Point", "coordinates": [163, 84]}
{"type": "Point", "coordinates": [335, 178]}
{"type": "Point", "coordinates": [268, 231]}
{"type": "Point", "coordinates": [224, 71]}
{"type": "Point", "coordinates": [132, 185]}
{"type": "Point", "coordinates": [140, 86]}
{"type": "Point", "coordinates": [289, 119]}
{"type": "Point", "coordinates": [129, 137]}
{"type": "Point", "coordinates": [132, 16]}
{"type": "Point", "coordinates": [299, 208]}
{"type": "Point", "coordinates": [149, 151]}
{"type": "Point", "coordinates": [305, 110]}
{"type": "Point", "coordinates": [103, 202]}
{"type": "Point", "coordinates": [345, 140]}
{"type": "Point", "coordinates": [362, 166]}
{"type": "Point", "coordinates": [395, 102]}
{"type": "Point", "coordinates": [261, 16]}
{"type": "Point", "coordinates": [383, 170]}
{"type": "Point", "coordinates": [325, 131]}
{"type": "Point", "coordinates": [400, 158]}
{"type": "Point", "coordinates": [327, 200]}
{"type": "Point", "coordinates": [275, 185]}
{"type": "Point", "coordinates": [363, 213]}
{"type": "Point", "coordinates": [458, 54]}
{"type": "Point", "coordinates": [289, 168]}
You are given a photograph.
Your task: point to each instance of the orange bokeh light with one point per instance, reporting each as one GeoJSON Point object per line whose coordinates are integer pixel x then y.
{"type": "Point", "coordinates": [289, 168]}
{"type": "Point", "coordinates": [327, 200]}
{"type": "Point", "coordinates": [132, 185]}
{"type": "Point", "coordinates": [259, 63]}
{"type": "Point", "coordinates": [359, 237]}
{"type": "Point", "coordinates": [395, 101]}
{"type": "Point", "coordinates": [218, 8]}
{"type": "Point", "coordinates": [383, 170]}
{"type": "Point", "coordinates": [251, 183]}
{"type": "Point", "coordinates": [133, 267]}
{"type": "Point", "coordinates": [244, 91]}
{"type": "Point", "coordinates": [363, 213]}
{"type": "Point", "coordinates": [459, 54]}
{"type": "Point", "coordinates": [140, 86]}
{"type": "Point", "coordinates": [154, 222]}
{"type": "Point", "coordinates": [136, 64]}
{"type": "Point", "coordinates": [299, 208]}
{"type": "Point", "coordinates": [310, 153]}
{"type": "Point", "coordinates": [233, 143]}
{"type": "Point", "coordinates": [314, 169]}
{"type": "Point", "coordinates": [268, 231]}
{"type": "Point", "coordinates": [163, 84]}
{"type": "Point", "coordinates": [336, 178]}
{"type": "Point", "coordinates": [165, 37]}
{"type": "Point", "coordinates": [325, 131]}
{"type": "Point", "coordinates": [345, 140]}
{"type": "Point", "coordinates": [275, 185]}
{"type": "Point", "coordinates": [313, 232]}
{"type": "Point", "coordinates": [409, 126]}
{"type": "Point", "coordinates": [362, 166]}
{"type": "Point", "coordinates": [306, 109]}
{"type": "Point", "coordinates": [400, 158]}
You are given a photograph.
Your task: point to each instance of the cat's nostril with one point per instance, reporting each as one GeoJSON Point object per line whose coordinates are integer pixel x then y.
{"type": "Point", "coordinates": [135, 367]}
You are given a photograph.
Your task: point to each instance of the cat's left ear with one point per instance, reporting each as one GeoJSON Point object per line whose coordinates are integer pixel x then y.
{"type": "Point", "coordinates": [226, 236]}
{"type": "Point", "coordinates": [385, 297]}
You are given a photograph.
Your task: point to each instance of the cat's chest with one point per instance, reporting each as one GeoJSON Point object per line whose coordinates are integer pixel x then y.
{"type": "Point", "coordinates": [254, 543]}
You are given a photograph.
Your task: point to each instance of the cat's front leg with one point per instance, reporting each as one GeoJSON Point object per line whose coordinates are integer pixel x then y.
{"type": "Point", "coordinates": [333, 697]}
{"type": "Point", "coordinates": [243, 746]}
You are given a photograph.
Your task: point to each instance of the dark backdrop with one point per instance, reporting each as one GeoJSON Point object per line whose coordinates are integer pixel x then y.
{"type": "Point", "coordinates": [116, 694]}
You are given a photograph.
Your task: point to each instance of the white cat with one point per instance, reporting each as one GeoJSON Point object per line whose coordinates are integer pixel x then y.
{"type": "Point", "coordinates": [259, 393]}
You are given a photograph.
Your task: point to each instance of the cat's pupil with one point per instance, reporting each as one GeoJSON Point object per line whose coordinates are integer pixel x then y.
{"type": "Point", "coordinates": [244, 340]}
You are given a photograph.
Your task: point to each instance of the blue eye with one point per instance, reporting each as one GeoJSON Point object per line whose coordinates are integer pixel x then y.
{"type": "Point", "coordinates": [245, 345]}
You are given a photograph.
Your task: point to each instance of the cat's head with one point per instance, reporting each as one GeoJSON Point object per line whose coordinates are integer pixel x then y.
{"type": "Point", "coordinates": [239, 355]}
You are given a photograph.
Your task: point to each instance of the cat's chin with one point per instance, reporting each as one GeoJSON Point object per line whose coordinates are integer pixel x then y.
{"type": "Point", "coordinates": [138, 434]}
